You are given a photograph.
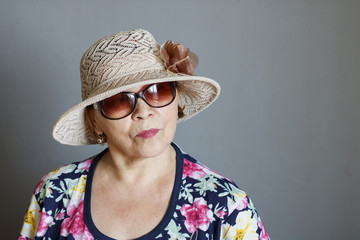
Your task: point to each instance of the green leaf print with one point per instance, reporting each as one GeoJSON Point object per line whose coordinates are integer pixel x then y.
{"type": "Point", "coordinates": [174, 231]}
{"type": "Point", "coordinates": [206, 184]}
{"type": "Point", "coordinates": [186, 193]}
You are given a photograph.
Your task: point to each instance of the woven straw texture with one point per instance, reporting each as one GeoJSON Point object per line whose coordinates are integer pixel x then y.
{"type": "Point", "coordinates": [121, 61]}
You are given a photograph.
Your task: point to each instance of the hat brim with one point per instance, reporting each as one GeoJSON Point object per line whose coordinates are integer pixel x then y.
{"type": "Point", "coordinates": [196, 94]}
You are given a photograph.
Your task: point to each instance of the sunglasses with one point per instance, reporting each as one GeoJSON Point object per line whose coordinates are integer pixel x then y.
{"type": "Point", "coordinates": [121, 105]}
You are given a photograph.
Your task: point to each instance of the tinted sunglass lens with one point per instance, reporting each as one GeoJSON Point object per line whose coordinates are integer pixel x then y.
{"type": "Point", "coordinates": [118, 106]}
{"type": "Point", "coordinates": [160, 94]}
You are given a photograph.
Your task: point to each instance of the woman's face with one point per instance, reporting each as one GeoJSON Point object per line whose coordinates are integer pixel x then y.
{"type": "Point", "coordinates": [145, 133]}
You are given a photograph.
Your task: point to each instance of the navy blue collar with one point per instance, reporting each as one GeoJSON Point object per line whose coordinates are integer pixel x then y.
{"type": "Point", "coordinates": [169, 212]}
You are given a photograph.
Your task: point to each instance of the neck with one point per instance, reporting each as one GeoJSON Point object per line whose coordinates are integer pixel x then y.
{"type": "Point", "coordinates": [132, 170]}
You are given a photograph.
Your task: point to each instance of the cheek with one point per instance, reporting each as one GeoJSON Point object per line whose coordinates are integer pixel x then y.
{"type": "Point", "coordinates": [171, 115]}
{"type": "Point", "coordinates": [103, 125]}
{"type": "Point", "coordinates": [172, 111]}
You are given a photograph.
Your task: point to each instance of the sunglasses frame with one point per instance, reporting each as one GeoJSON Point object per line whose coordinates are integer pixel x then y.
{"type": "Point", "coordinates": [98, 105]}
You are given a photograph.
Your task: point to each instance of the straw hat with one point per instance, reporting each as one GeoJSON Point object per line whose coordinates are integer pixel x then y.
{"type": "Point", "coordinates": [121, 61]}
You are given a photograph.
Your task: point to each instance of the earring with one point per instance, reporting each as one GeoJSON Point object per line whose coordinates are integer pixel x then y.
{"type": "Point", "coordinates": [101, 138]}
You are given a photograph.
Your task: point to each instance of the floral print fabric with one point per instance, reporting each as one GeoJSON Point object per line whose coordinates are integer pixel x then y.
{"type": "Point", "coordinates": [204, 205]}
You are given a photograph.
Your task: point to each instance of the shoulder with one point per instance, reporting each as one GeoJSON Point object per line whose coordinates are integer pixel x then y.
{"type": "Point", "coordinates": [213, 187]}
{"type": "Point", "coordinates": [73, 170]}
{"type": "Point", "coordinates": [66, 179]}
{"type": "Point", "coordinates": [212, 197]}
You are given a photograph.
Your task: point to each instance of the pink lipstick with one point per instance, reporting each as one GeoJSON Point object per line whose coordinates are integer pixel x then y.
{"type": "Point", "coordinates": [148, 133]}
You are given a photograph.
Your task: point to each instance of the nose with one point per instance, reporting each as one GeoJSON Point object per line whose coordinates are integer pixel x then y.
{"type": "Point", "coordinates": [142, 110]}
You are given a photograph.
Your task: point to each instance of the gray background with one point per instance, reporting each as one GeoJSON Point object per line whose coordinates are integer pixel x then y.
{"type": "Point", "coordinates": [285, 128]}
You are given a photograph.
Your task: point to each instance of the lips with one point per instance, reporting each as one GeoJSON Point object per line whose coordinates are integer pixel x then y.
{"type": "Point", "coordinates": [148, 133]}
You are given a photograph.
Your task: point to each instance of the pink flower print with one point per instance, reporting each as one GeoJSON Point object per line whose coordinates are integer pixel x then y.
{"type": "Point", "coordinates": [22, 238]}
{"type": "Point", "coordinates": [243, 204]}
{"type": "Point", "coordinates": [75, 224]}
{"type": "Point", "coordinates": [192, 170]}
{"type": "Point", "coordinates": [39, 186]}
{"type": "Point", "coordinates": [60, 216]}
{"type": "Point", "coordinates": [85, 165]}
{"type": "Point", "coordinates": [221, 213]}
{"type": "Point", "coordinates": [44, 224]}
{"type": "Point", "coordinates": [197, 216]}
{"type": "Point", "coordinates": [263, 234]}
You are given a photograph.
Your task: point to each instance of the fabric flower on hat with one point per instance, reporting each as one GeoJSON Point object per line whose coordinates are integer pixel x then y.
{"type": "Point", "coordinates": [178, 58]}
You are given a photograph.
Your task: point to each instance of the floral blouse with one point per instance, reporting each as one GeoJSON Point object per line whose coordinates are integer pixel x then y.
{"type": "Point", "coordinates": [203, 205]}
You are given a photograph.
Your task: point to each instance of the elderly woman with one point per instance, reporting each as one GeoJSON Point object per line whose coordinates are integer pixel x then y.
{"type": "Point", "coordinates": [142, 186]}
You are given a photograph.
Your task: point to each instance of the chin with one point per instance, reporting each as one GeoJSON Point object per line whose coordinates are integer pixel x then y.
{"type": "Point", "coordinates": [142, 148]}
{"type": "Point", "coordinates": [151, 149]}
{"type": "Point", "coordinates": [154, 146]}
